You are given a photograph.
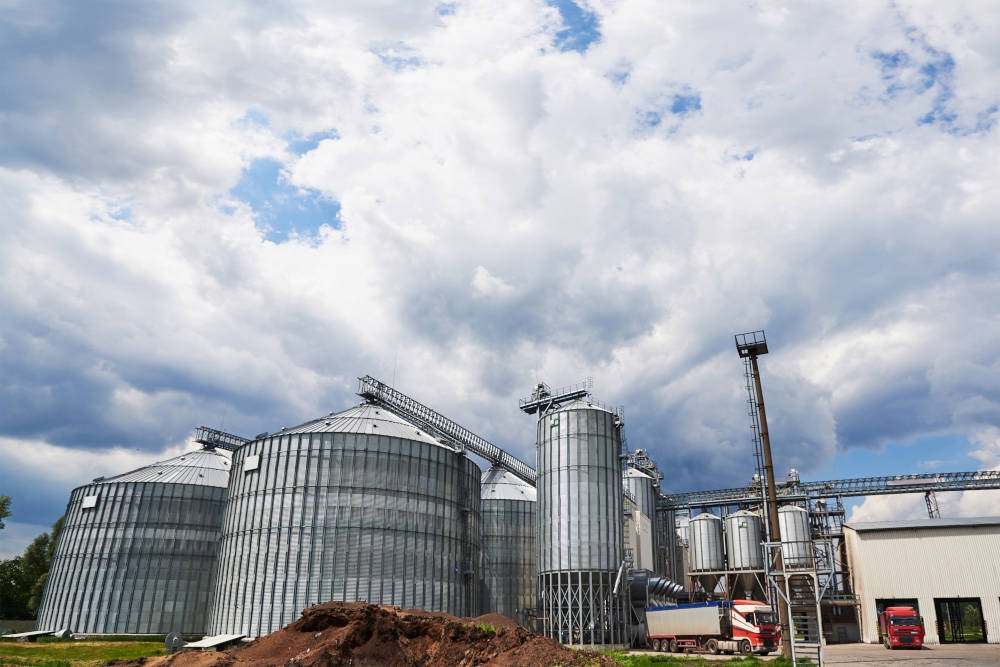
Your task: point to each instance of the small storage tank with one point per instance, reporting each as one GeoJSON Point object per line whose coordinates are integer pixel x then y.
{"type": "Point", "coordinates": [705, 543]}
{"type": "Point", "coordinates": [356, 506]}
{"type": "Point", "coordinates": [705, 550]}
{"type": "Point", "coordinates": [796, 538]}
{"type": "Point", "coordinates": [642, 486]}
{"type": "Point", "coordinates": [743, 541]}
{"type": "Point", "coordinates": [507, 525]}
{"type": "Point", "coordinates": [137, 552]}
{"type": "Point", "coordinates": [580, 524]}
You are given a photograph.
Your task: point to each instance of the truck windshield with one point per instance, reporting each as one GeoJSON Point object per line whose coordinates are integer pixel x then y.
{"type": "Point", "coordinates": [904, 620]}
{"type": "Point", "coordinates": [761, 618]}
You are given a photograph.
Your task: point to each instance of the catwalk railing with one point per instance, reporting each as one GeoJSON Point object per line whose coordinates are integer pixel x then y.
{"type": "Point", "coordinates": [860, 486]}
{"type": "Point", "coordinates": [379, 393]}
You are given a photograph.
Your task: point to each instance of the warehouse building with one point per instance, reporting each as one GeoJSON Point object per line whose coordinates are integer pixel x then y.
{"type": "Point", "coordinates": [947, 569]}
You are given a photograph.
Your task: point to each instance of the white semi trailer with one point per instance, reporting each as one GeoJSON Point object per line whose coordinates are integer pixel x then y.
{"type": "Point", "coordinates": [743, 626]}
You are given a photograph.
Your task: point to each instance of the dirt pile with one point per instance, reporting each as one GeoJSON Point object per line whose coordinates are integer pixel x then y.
{"type": "Point", "coordinates": [356, 633]}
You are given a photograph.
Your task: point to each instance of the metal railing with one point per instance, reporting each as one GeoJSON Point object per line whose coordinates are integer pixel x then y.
{"type": "Point", "coordinates": [379, 393]}
{"type": "Point", "coordinates": [211, 437]}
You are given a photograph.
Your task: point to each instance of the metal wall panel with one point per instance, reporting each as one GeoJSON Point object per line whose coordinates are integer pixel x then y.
{"type": "Point", "coordinates": [346, 516]}
{"type": "Point", "coordinates": [140, 561]}
{"type": "Point", "coordinates": [580, 534]}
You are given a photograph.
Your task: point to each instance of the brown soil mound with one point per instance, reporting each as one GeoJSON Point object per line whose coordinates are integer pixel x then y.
{"type": "Point", "coordinates": [356, 633]}
{"type": "Point", "coordinates": [496, 620]}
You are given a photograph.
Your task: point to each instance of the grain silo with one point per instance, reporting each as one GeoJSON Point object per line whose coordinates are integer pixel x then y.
{"type": "Point", "coordinates": [706, 560]}
{"type": "Point", "coordinates": [643, 489]}
{"type": "Point", "coordinates": [136, 554]}
{"type": "Point", "coordinates": [356, 506]}
{"type": "Point", "coordinates": [507, 524]}
{"type": "Point", "coordinates": [580, 551]}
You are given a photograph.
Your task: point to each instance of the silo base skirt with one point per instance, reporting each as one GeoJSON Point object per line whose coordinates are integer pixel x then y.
{"type": "Point", "coordinates": [580, 608]}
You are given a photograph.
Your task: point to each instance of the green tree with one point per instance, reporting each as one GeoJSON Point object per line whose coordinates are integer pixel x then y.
{"type": "Point", "coordinates": [15, 589]}
{"type": "Point", "coordinates": [4, 509]}
{"type": "Point", "coordinates": [38, 560]}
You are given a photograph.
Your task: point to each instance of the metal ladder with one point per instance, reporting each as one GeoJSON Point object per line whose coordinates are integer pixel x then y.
{"type": "Point", "coordinates": [800, 588]}
{"type": "Point", "coordinates": [804, 617]}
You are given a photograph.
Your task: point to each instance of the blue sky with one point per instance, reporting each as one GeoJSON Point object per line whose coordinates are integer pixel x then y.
{"type": "Point", "coordinates": [225, 217]}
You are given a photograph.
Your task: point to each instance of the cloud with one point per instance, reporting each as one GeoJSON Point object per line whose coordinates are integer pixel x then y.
{"type": "Point", "coordinates": [225, 215]}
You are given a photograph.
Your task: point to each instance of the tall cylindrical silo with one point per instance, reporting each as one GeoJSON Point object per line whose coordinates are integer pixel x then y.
{"type": "Point", "coordinates": [744, 552]}
{"type": "Point", "coordinates": [356, 506]}
{"type": "Point", "coordinates": [507, 525]}
{"type": "Point", "coordinates": [137, 552]}
{"type": "Point", "coordinates": [705, 556]}
{"type": "Point", "coordinates": [796, 538]}
{"type": "Point", "coordinates": [580, 530]}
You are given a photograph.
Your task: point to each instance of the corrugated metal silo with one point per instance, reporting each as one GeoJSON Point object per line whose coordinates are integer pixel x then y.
{"type": "Point", "coordinates": [580, 531]}
{"type": "Point", "coordinates": [136, 554]}
{"type": "Point", "coordinates": [743, 541]}
{"type": "Point", "coordinates": [507, 525]}
{"type": "Point", "coordinates": [744, 552]}
{"type": "Point", "coordinates": [705, 555]}
{"type": "Point", "coordinates": [642, 486]}
{"type": "Point", "coordinates": [356, 506]}
{"type": "Point", "coordinates": [796, 538]}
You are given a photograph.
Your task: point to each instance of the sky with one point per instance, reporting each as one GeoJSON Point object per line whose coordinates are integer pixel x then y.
{"type": "Point", "coordinates": [224, 213]}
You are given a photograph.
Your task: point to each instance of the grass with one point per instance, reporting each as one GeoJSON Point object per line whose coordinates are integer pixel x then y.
{"type": "Point", "coordinates": [70, 653]}
{"type": "Point", "coordinates": [486, 627]}
{"type": "Point", "coordinates": [643, 660]}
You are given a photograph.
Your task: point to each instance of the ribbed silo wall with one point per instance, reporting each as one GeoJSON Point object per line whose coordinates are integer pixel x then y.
{"type": "Point", "coordinates": [643, 488]}
{"type": "Point", "coordinates": [509, 560]}
{"type": "Point", "coordinates": [141, 561]}
{"type": "Point", "coordinates": [580, 525]}
{"type": "Point", "coordinates": [349, 517]}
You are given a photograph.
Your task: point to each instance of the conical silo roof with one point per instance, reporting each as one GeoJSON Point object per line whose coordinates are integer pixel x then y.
{"type": "Point", "coordinates": [364, 418]}
{"type": "Point", "coordinates": [500, 484]}
{"type": "Point", "coordinates": [206, 467]}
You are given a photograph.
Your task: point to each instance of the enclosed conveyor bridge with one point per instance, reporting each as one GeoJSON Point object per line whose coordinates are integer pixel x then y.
{"type": "Point", "coordinates": [844, 488]}
{"type": "Point", "coordinates": [379, 393]}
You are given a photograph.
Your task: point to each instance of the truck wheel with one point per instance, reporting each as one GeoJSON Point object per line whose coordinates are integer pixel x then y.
{"type": "Point", "coordinates": [672, 647]}
{"type": "Point", "coordinates": [712, 647]}
{"type": "Point", "coordinates": [656, 645]}
{"type": "Point", "coordinates": [746, 648]}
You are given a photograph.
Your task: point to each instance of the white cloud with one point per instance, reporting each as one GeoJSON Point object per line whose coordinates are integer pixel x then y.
{"type": "Point", "coordinates": [509, 211]}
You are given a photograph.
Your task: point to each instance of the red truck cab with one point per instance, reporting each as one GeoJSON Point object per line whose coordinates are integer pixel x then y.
{"type": "Point", "coordinates": [901, 627]}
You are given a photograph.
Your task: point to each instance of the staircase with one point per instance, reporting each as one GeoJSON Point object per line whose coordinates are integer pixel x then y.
{"type": "Point", "coordinates": [804, 617]}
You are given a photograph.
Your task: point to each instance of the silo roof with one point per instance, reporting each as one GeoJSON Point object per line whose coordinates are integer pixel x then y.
{"type": "Point", "coordinates": [580, 404]}
{"type": "Point", "coordinates": [365, 418]}
{"type": "Point", "coordinates": [206, 467]}
{"type": "Point", "coordinates": [500, 484]}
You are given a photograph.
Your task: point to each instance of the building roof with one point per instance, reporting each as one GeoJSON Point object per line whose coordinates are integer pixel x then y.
{"type": "Point", "coordinates": [910, 524]}
{"type": "Point", "coordinates": [206, 467]}
{"type": "Point", "coordinates": [500, 484]}
{"type": "Point", "coordinates": [364, 418]}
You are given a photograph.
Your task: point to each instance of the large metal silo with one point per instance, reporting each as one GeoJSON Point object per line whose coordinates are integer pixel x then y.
{"type": "Point", "coordinates": [507, 525]}
{"type": "Point", "coordinates": [796, 538]}
{"type": "Point", "coordinates": [137, 552]}
{"type": "Point", "coordinates": [705, 557]}
{"type": "Point", "coordinates": [580, 532]}
{"type": "Point", "coordinates": [356, 506]}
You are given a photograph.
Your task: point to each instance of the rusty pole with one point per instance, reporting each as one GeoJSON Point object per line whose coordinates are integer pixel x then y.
{"type": "Point", "coordinates": [772, 508]}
